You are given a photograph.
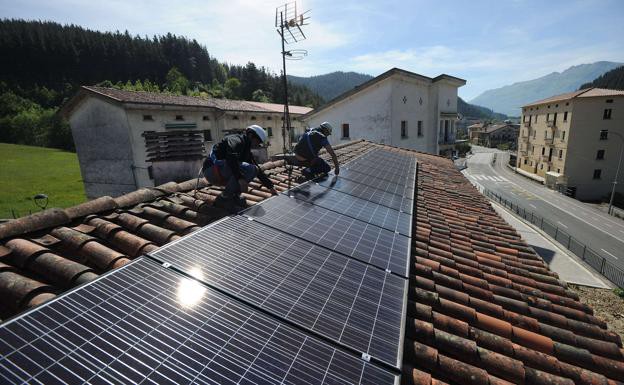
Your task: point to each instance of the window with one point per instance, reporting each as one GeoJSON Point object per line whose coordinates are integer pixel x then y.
{"type": "Point", "coordinates": [345, 131]}
{"type": "Point", "coordinates": [207, 136]}
{"type": "Point", "coordinates": [600, 154]}
{"type": "Point", "coordinates": [562, 136]}
{"type": "Point", "coordinates": [535, 120]}
{"type": "Point", "coordinates": [558, 171]}
{"type": "Point", "coordinates": [609, 100]}
{"type": "Point", "coordinates": [560, 154]}
{"type": "Point", "coordinates": [534, 133]}
{"type": "Point", "coordinates": [541, 166]}
{"type": "Point", "coordinates": [403, 129]}
{"type": "Point", "coordinates": [607, 114]}
{"type": "Point", "coordinates": [269, 118]}
{"type": "Point", "coordinates": [525, 160]}
{"type": "Point", "coordinates": [548, 116]}
{"type": "Point", "coordinates": [253, 118]}
{"type": "Point", "coordinates": [235, 117]}
{"type": "Point", "coordinates": [597, 173]}
{"type": "Point", "coordinates": [270, 131]}
{"type": "Point", "coordinates": [179, 117]}
{"type": "Point", "coordinates": [206, 117]}
{"type": "Point", "coordinates": [148, 118]}
{"type": "Point", "coordinates": [543, 150]}
{"type": "Point", "coordinates": [604, 134]}
{"type": "Point", "coordinates": [565, 116]}
{"type": "Point", "coordinates": [420, 133]}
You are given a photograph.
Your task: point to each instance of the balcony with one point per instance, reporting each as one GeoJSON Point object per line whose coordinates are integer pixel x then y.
{"type": "Point", "coordinates": [527, 124]}
{"type": "Point", "coordinates": [551, 124]}
{"type": "Point", "coordinates": [545, 158]}
{"type": "Point", "coordinates": [548, 141]}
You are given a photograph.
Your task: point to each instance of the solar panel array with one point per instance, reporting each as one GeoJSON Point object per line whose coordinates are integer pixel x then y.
{"type": "Point", "coordinates": [307, 287]}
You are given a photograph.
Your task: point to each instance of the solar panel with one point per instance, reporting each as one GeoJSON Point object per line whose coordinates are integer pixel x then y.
{"type": "Point", "coordinates": [145, 323]}
{"type": "Point", "coordinates": [361, 209]}
{"type": "Point", "coordinates": [338, 297]}
{"type": "Point", "coordinates": [360, 240]}
{"type": "Point", "coordinates": [374, 180]}
{"type": "Point", "coordinates": [394, 201]}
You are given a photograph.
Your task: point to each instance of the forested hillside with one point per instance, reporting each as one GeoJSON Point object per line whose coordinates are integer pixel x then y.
{"type": "Point", "coordinates": [332, 84]}
{"type": "Point", "coordinates": [474, 111]}
{"type": "Point", "coordinates": [613, 79]}
{"type": "Point", "coordinates": [43, 63]}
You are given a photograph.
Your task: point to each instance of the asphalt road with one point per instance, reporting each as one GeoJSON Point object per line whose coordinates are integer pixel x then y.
{"type": "Point", "coordinates": [596, 229]}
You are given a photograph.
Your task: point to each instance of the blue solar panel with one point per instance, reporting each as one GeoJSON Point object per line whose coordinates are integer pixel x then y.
{"type": "Point", "coordinates": [338, 297]}
{"type": "Point", "coordinates": [147, 324]}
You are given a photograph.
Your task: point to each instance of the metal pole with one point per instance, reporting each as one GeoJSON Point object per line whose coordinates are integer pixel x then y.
{"type": "Point", "coordinates": [617, 172]}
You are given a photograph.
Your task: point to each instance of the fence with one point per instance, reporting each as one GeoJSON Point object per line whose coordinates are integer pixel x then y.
{"type": "Point", "coordinates": [587, 254]}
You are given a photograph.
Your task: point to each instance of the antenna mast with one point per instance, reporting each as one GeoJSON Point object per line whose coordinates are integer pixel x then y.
{"type": "Point", "coordinates": [289, 23]}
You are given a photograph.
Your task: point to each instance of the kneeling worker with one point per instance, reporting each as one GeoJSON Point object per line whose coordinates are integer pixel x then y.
{"type": "Point", "coordinates": [308, 147]}
{"type": "Point", "coordinates": [231, 164]}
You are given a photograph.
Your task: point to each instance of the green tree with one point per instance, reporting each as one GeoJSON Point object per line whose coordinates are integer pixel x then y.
{"type": "Point", "coordinates": [176, 82]}
{"type": "Point", "coordinates": [260, 96]}
{"type": "Point", "coordinates": [232, 88]}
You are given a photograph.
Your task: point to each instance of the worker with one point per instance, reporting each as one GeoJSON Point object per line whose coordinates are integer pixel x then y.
{"type": "Point", "coordinates": [231, 164]}
{"type": "Point", "coordinates": [308, 147]}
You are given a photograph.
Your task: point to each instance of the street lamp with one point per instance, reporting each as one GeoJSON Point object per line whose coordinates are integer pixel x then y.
{"type": "Point", "coordinates": [617, 172]}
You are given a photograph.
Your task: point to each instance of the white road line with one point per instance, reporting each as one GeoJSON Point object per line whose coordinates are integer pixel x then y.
{"type": "Point", "coordinates": [608, 225]}
{"type": "Point", "coordinates": [532, 205]}
{"type": "Point", "coordinates": [562, 224]}
{"type": "Point", "coordinates": [472, 176]}
{"type": "Point", "coordinates": [609, 253]}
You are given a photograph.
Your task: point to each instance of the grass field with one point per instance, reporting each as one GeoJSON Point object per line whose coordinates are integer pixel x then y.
{"type": "Point", "coordinates": [26, 171]}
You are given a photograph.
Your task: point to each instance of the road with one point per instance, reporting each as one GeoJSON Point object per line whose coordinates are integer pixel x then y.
{"type": "Point", "coordinates": [599, 231]}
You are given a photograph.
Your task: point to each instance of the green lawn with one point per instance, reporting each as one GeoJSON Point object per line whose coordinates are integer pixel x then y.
{"type": "Point", "coordinates": [26, 171]}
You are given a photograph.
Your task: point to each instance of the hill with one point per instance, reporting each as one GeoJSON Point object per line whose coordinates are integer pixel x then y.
{"type": "Point", "coordinates": [332, 84]}
{"type": "Point", "coordinates": [473, 111]}
{"type": "Point", "coordinates": [613, 79]}
{"type": "Point", "coordinates": [509, 99]}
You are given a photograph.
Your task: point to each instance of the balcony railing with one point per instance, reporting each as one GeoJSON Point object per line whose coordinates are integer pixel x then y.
{"type": "Point", "coordinates": [551, 124]}
{"type": "Point", "coordinates": [548, 141]}
{"type": "Point", "coordinates": [527, 124]}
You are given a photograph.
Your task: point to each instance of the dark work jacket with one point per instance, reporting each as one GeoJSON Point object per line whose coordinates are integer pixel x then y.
{"type": "Point", "coordinates": [310, 144]}
{"type": "Point", "coordinates": [236, 149]}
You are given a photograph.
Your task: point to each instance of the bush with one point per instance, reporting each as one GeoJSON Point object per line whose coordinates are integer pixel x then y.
{"type": "Point", "coordinates": [463, 148]}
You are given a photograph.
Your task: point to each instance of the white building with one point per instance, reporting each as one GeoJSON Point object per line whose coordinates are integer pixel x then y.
{"type": "Point", "coordinates": [126, 140]}
{"type": "Point", "coordinates": [399, 108]}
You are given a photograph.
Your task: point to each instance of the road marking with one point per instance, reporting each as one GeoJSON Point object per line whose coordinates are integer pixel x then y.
{"type": "Point", "coordinates": [562, 224]}
{"type": "Point", "coordinates": [532, 205]}
{"type": "Point", "coordinates": [608, 225]}
{"type": "Point", "coordinates": [609, 253]}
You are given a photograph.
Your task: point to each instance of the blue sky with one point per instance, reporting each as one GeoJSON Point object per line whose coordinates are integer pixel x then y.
{"type": "Point", "coordinates": [488, 43]}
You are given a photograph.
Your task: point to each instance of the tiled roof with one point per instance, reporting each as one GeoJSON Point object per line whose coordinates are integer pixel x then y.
{"type": "Point", "coordinates": [158, 98]}
{"type": "Point", "coordinates": [584, 93]}
{"type": "Point", "coordinates": [483, 307]}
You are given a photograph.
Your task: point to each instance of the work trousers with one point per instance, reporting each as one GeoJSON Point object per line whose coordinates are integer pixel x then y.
{"type": "Point", "coordinates": [224, 176]}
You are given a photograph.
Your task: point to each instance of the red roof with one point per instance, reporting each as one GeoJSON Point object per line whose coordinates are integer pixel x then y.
{"type": "Point", "coordinates": [584, 93]}
{"type": "Point", "coordinates": [483, 307]}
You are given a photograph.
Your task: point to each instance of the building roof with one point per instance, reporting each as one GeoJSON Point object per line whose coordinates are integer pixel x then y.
{"type": "Point", "coordinates": [483, 307]}
{"type": "Point", "coordinates": [164, 99]}
{"type": "Point", "coordinates": [383, 76]}
{"type": "Point", "coordinates": [584, 93]}
{"type": "Point", "coordinates": [495, 127]}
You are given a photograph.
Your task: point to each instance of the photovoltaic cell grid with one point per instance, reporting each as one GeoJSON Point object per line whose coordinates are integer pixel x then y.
{"type": "Point", "coordinates": [362, 191]}
{"type": "Point", "coordinates": [360, 240]}
{"type": "Point", "coordinates": [145, 323]}
{"type": "Point", "coordinates": [388, 165]}
{"type": "Point", "coordinates": [361, 209]}
{"type": "Point", "coordinates": [376, 182]}
{"type": "Point", "coordinates": [341, 298]}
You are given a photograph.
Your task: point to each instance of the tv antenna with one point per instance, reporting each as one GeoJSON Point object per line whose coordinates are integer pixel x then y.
{"type": "Point", "coordinates": [289, 24]}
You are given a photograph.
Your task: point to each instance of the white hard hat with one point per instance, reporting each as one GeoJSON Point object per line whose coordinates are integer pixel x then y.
{"type": "Point", "coordinates": [259, 131]}
{"type": "Point", "coordinates": [327, 128]}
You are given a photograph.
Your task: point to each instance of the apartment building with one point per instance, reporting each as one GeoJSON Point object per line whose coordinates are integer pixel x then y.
{"type": "Point", "coordinates": [126, 140]}
{"type": "Point", "coordinates": [576, 138]}
{"type": "Point", "coordinates": [399, 108]}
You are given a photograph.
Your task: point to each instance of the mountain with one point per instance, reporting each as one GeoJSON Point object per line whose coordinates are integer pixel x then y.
{"type": "Point", "coordinates": [473, 111]}
{"type": "Point", "coordinates": [613, 79]}
{"type": "Point", "coordinates": [509, 99]}
{"type": "Point", "coordinates": [332, 84]}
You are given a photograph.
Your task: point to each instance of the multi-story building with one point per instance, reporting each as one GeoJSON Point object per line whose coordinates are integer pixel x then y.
{"type": "Point", "coordinates": [577, 138]}
{"type": "Point", "coordinates": [126, 140]}
{"type": "Point", "coordinates": [398, 108]}
{"type": "Point", "coordinates": [492, 135]}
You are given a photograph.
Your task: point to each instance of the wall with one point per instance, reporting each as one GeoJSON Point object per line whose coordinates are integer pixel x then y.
{"type": "Point", "coordinates": [104, 148]}
{"type": "Point", "coordinates": [585, 142]}
{"type": "Point", "coordinates": [411, 103]}
{"type": "Point", "coordinates": [367, 112]}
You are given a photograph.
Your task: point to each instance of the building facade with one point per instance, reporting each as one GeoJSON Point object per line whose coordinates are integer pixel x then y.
{"type": "Point", "coordinates": [493, 135]}
{"type": "Point", "coordinates": [126, 140]}
{"type": "Point", "coordinates": [398, 108]}
{"type": "Point", "coordinates": [577, 137]}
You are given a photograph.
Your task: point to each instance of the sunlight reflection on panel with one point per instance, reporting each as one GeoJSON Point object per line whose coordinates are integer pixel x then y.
{"type": "Point", "coordinates": [190, 291]}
